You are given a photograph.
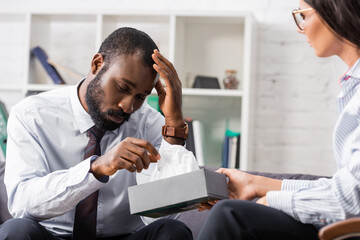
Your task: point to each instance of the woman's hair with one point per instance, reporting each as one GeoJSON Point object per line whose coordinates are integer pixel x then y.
{"type": "Point", "coordinates": [342, 16]}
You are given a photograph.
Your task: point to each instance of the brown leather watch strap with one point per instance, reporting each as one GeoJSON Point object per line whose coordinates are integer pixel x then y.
{"type": "Point", "coordinates": [168, 131]}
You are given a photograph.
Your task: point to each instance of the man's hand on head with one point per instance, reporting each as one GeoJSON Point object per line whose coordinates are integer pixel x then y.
{"type": "Point", "coordinates": [170, 96]}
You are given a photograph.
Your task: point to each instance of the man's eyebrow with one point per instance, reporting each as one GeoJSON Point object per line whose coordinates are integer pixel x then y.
{"type": "Point", "coordinates": [134, 85]}
{"type": "Point", "coordinates": [129, 82]}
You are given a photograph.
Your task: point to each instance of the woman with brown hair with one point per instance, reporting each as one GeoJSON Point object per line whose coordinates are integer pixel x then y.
{"type": "Point", "coordinates": [296, 209]}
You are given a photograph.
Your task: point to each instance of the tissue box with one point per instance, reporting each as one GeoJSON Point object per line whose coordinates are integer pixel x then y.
{"type": "Point", "coordinates": [177, 194]}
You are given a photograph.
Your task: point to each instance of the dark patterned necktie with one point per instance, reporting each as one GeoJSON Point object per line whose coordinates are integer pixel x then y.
{"type": "Point", "coordinates": [86, 210]}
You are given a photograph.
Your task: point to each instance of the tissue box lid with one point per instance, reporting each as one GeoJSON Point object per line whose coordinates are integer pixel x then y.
{"type": "Point", "coordinates": [177, 194]}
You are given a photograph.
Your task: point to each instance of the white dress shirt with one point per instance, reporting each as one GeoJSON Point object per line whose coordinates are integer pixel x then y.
{"type": "Point", "coordinates": [46, 175]}
{"type": "Point", "coordinates": [325, 201]}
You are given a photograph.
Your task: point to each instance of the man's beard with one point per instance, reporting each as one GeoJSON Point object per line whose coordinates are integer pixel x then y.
{"type": "Point", "coordinates": [93, 98]}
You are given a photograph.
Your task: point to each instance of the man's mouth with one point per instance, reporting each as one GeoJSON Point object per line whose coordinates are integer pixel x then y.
{"type": "Point", "coordinates": [117, 116]}
{"type": "Point", "coordinates": [116, 119]}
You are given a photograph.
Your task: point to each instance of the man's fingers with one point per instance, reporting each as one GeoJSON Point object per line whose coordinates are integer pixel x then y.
{"type": "Point", "coordinates": [145, 144]}
{"type": "Point", "coordinates": [138, 153]}
{"type": "Point", "coordinates": [162, 65]}
{"type": "Point", "coordinates": [138, 157]}
{"type": "Point", "coordinates": [165, 60]}
{"type": "Point", "coordinates": [164, 73]}
{"type": "Point", "coordinates": [125, 164]}
{"type": "Point", "coordinates": [208, 205]}
{"type": "Point", "coordinates": [211, 202]}
{"type": "Point", "coordinates": [204, 206]}
{"type": "Point", "coordinates": [152, 158]}
{"type": "Point", "coordinates": [165, 68]}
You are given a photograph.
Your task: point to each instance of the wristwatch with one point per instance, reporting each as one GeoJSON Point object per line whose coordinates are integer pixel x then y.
{"type": "Point", "coordinates": [175, 132]}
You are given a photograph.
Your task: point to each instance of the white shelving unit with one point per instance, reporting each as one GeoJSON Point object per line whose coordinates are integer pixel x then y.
{"type": "Point", "coordinates": [198, 43]}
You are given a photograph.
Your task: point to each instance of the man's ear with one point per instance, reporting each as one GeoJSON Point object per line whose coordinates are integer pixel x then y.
{"type": "Point", "coordinates": [97, 63]}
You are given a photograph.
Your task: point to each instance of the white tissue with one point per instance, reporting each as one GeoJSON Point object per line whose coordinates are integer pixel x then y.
{"type": "Point", "coordinates": [175, 160]}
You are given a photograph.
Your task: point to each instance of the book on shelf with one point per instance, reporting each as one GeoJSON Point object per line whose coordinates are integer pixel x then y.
{"type": "Point", "coordinates": [237, 155]}
{"type": "Point", "coordinates": [40, 54]}
{"type": "Point", "coordinates": [3, 131]}
{"type": "Point", "coordinates": [74, 74]}
{"type": "Point", "coordinates": [225, 152]}
{"type": "Point", "coordinates": [231, 150]}
{"type": "Point", "coordinates": [194, 142]}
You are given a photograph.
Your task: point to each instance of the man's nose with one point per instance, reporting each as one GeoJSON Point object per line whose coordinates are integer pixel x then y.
{"type": "Point", "coordinates": [127, 104]}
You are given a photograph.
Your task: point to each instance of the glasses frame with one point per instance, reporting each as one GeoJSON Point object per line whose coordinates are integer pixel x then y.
{"type": "Point", "coordinates": [295, 11]}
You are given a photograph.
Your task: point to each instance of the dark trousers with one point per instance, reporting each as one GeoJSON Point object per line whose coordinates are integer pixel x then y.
{"type": "Point", "coordinates": [162, 229]}
{"type": "Point", "coordinates": [235, 219]}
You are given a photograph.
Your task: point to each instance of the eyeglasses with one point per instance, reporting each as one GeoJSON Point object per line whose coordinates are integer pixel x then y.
{"type": "Point", "coordinates": [300, 18]}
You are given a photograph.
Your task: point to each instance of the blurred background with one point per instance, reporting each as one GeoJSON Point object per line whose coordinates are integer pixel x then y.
{"type": "Point", "coordinates": [284, 106]}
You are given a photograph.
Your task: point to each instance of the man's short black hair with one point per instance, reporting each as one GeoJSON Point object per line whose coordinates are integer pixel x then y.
{"type": "Point", "coordinates": [127, 41]}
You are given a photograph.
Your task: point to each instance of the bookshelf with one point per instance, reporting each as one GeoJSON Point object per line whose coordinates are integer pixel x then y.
{"type": "Point", "coordinates": [198, 43]}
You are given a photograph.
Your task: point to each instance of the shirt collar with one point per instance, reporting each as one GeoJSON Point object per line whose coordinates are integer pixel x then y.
{"type": "Point", "coordinates": [353, 72]}
{"type": "Point", "coordinates": [82, 118]}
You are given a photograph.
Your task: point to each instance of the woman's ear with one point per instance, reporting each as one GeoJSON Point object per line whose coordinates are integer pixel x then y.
{"type": "Point", "coordinates": [97, 63]}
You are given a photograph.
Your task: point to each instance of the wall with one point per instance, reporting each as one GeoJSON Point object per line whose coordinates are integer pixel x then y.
{"type": "Point", "coordinates": [295, 96]}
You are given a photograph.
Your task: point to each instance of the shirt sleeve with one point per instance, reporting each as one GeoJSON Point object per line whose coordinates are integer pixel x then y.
{"type": "Point", "coordinates": [33, 191]}
{"type": "Point", "coordinates": [294, 185]}
{"type": "Point", "coordinates": [323, 201]}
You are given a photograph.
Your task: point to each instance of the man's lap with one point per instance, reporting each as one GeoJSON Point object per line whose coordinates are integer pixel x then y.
{"type": "Point", "coordinates": [23, 228]}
